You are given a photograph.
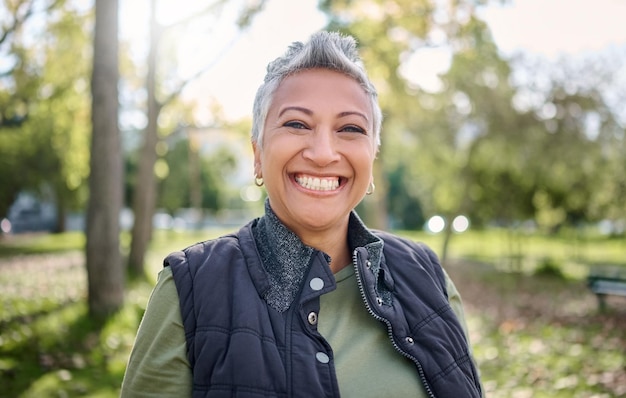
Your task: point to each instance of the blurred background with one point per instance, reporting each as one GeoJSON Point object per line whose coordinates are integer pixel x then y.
{"type": "Point", "coordinates": [503, 147]}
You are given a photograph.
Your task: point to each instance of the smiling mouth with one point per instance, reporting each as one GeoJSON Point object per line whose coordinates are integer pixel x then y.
{"type": "Point", "coordinates": [318, 183]}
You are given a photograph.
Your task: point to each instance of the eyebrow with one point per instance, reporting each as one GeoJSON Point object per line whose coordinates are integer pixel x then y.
{"type": "Point", "coordinates": [344, 114]}
{"type": "Point", "coordinates": [295, 108]}
{"type": "Point", "coordinates": [310, 112]}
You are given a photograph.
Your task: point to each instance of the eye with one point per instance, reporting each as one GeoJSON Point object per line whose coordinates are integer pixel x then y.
{"type": "Point", "coordinates": [352, 129]}
{"type": "Point", "coordinates": [294, 124]}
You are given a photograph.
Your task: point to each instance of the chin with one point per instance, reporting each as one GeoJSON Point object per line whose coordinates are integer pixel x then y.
{"type": "Point", "coordinates": [319, 218]}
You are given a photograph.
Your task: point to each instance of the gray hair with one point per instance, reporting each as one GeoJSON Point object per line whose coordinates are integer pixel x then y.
{"type": "Point", "coordinates": [326, 50]}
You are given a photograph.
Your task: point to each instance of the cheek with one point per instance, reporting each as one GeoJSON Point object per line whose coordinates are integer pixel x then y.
{"type": "Point", "coordinates": [278, 149]}
{"type": "Point", "coordinates": [366, 161]}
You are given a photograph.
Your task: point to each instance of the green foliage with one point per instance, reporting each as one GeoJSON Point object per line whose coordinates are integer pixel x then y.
{"type": "Point", "coordinates": [59, 351]}
{"type": "Point", "coordinates": [521, 251]}
{"type": "Point", "coordinates": [48, 344]}
{"type": "Point", "coordinates": [174, 189]}
{"type": "Point", "coordinates": [41, 244]}
{"type": "Point", "coordinates": [547, 146]}
{"type": "Point", "coordinates": [189, 168]}
{"type": "Point", "coordinates": [44, 128]}
{"type": "Point", "coordinates": [404, 206]}
{"type": "Point", "coordinates": [501, 140]}
{"type": "Point", "coordinates": [549, 268]}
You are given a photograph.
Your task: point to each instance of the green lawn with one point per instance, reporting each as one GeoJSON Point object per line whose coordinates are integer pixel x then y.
{"type": "Point", "coordinates": [534, 334]}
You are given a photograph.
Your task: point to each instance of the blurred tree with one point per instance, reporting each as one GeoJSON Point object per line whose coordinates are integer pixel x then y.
{"type": "Point", "coordinates": [577, 144]}
{"type": "Point", "coordinates": [465, 142]}
{"type": "Point", "coordinates": [174, 191]}
{"type": "Point", "coordinates": [105, 268]}
{"type": "Point", "coordinates": [59, 121]}
{"type": "Point", "coordinates": [425, 133]}
{"type": "Point", "coordinates": [44, 102]}
{"type": "Point", "coordinates": [405, 208]}
{"type": "Point", "coordinates": [210, 176]}
{"type": "Point", "coordinates": [17, 85]}
{"type": "Point", "coordinates": [483, 131]}
{"type": "Point", "coordinates": [144, 200]}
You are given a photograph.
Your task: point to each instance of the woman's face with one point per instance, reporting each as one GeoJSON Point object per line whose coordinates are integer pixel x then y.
{"type": "Point", "coordinates": [318, 150]}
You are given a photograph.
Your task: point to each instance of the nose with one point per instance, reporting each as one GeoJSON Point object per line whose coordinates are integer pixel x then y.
{"type": "Point", "coordinates": [321, 147]}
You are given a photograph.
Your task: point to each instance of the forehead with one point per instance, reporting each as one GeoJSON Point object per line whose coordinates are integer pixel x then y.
{"type": "Point", "coordinates": [323, 84]}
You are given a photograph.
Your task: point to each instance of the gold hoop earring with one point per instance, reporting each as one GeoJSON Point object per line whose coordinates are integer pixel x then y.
{"type": "Point", "coordinates": [258, 181]}
{"type": "Point", "coordinates": [371, 188]}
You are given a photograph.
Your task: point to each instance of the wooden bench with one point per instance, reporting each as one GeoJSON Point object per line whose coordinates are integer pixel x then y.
{"type": "Point", "coordinates": [604, 285]}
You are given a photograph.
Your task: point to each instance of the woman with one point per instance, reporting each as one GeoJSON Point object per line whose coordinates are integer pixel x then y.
{"type": "Point", "coordinates": [306, 301]}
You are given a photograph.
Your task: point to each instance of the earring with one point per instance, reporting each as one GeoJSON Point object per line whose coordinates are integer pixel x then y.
{"type": "Point", "coordinates": [258, 181]}
{"type": "Point", "coordinates": [371, 188]}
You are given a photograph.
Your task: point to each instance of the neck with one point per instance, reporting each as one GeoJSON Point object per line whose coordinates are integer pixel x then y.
{"type": "Point", "coordinates": [334, 243]}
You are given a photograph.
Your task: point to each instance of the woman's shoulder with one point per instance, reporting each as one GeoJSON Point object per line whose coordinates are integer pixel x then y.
{"type": "Point", "coordinates": [200, 249]}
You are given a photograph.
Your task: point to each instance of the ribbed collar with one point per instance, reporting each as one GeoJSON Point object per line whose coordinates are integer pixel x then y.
{"type": "Point", "coordinates": [286, 259]}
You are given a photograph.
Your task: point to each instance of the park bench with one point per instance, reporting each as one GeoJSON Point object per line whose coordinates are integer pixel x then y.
{"type": "Point", "coordinates": [603, 285]}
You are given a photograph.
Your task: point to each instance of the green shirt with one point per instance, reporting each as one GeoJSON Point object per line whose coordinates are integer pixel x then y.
{"type": "Point", "coordinates": [366, 363]}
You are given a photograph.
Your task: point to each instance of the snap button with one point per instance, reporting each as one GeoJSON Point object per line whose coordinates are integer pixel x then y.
{"type": "Point", "coordinates": [322, 357]}
{"type": "Point", "coordinates": [316, 284]}
{"type": "Point", "coordinates": [379, 301]}
{"type": "Point", "coordinates": [368, 264]}
{"type": "Point", "coordinates": [409, 340]}
{"type": "Point", "coordinates": [312, 318]}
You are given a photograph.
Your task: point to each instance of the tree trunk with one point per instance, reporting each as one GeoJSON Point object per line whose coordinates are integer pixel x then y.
{"type": "Point", "coordinates": [61, 207]}
{"type": "Point", "coordinates": [105, 270]}
{"type": "Point", "coordinates": [144, 200]}
{"type": "Point", "coordinates": [447, 236]}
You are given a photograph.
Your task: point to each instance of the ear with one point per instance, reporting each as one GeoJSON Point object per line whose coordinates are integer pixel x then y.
{"type": "Point", "coordinates": [257, 160]}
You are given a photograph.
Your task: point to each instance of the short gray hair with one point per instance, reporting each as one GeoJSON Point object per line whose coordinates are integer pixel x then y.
{"type": "Point", "coordinates": [326, 50]}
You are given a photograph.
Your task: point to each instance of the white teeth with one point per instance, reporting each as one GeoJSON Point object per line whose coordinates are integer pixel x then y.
{"type": "Point", "coordinates": [318, 184]}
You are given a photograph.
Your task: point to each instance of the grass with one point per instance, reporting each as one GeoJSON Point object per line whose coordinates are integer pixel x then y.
{"type": "Point", "coordinates": [518, 251]}
{"type": "Point", "coordinates": [535, 334]}
{"type": "Point", "coordinates": [48, 345]}
{"type": "Point", "coordinates": [40, 243]}
{"type": "Point", "coordinates": [542, 336]}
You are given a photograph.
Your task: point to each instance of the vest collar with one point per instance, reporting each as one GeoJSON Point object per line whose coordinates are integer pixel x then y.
{"type": "Point", "coordinates": [286, 259]}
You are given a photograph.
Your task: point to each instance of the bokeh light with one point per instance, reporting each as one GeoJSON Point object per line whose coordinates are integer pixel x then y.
{"type": "Point", "coordinates": [436, 224]}
{"type": "Point", "coordinates": [460, 224]}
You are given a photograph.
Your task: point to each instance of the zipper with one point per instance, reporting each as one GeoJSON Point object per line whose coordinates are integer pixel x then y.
{"type": "Point", "coordinates": [420, 369]}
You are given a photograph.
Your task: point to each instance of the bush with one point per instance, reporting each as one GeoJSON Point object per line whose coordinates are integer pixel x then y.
{"type": "Point", "coordinates": [549, 268]}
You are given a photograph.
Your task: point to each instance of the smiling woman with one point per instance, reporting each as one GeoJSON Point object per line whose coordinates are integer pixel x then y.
{"type": "Point", "coordinates": [319, 133]}
{"type": "Point", "coordinates": [306, 300]}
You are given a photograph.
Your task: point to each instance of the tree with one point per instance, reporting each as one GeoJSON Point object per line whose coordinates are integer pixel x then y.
{"type": "Point", "coordinates": [105, 270]}
{"type": "Point", "coordinates": [577, 142]}
{"type": "Point", "coordinates": [59, 119]}
{"type": "Point", "coordinates": [44, 102]}
{"type": "Point", "coordinates": [144, 200]}
{"type": "Point", "coordinates": [390, 33]}
{"type": "Point", "coordinates": [194, 172]}
{"type": "Point", "coordinates": [421, 130]}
